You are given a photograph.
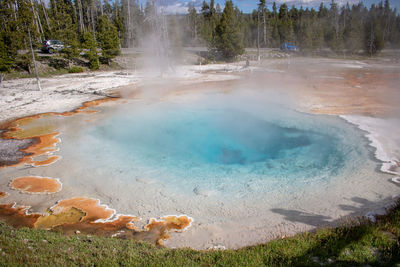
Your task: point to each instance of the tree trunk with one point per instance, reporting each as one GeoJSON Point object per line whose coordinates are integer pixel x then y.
{"type": "Point", "coordinates": [45, 15]}
{"type": "Point", "coordinates": [258, 35]}
{"type": "Point", "coordinates": [387, 27]}
{"type": "Point", "coordinates": [34, 61]}
{"type": "Point", "coordinates": [101, 7]}
{"type": "Point", "coordinates": [265, 28]}
{"type": "Point", "coordinates": [195, 28]}
{"type": "Point", "coordinates": [92, 17]}
{"type": "Point", "coordinates": [129, 23]}
{"type": "Point", "coordinates": [15, 9]}
{"type": "Point", "coordinates": [81, 23]}
{"type": "Point", "coordinates": [88, 17]}
{"type": "Point", "coordinates": [371, 40]}
{"type": "Point", "coordinates": [37, 22]}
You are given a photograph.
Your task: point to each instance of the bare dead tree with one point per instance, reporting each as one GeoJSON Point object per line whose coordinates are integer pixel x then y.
{"type": "Point", "coordinates": [258, 35]}
{"type": "Point", "coordinates": [45, 15]}
{"type": "Point", "coordinates": [101, 7]}
{"type": "Point", "coordinates": [81, 23]}
{"type": "Point", "coordinates": [265, 27]}
{"type": "Point", "coordinates": [34, 61]}
{"type": "Point", "coordinates": [129, 23]}
{"type": "Point", "coordinates": [14, 9]}
{"type": "Point", "coordinates": [37, 22]}
{"type": "Point", "coordinates": [92, 15]}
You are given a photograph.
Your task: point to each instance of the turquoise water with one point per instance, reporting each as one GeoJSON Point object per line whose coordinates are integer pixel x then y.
{"type": "Point", "coordinates": [224, 149]}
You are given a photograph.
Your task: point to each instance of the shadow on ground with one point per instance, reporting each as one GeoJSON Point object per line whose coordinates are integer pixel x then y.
{"type": "Point", "coordinates": [354, 234]}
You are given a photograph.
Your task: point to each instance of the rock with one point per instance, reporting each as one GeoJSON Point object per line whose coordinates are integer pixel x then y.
{"type": "Point", "coordinates": [45, 241]}
{"type": "Point", "coordinates": [396, 179]}
{"type": "Point", "coordinates": [25, 241]}
{"type": "Point", "coordinates": [201, 192]}
{"type": "Point", "coordinates": [370, 216]}
{"type": "Point", "coordinates": [145, 180]}
{"type": "Point", "coordinates": [216, 247]}
{"type": "Point", "coordinates": [316, 260]}
{"type": "Point", "coordinates": [77, 232]}
{"type": "Point", "coordinates": [11, 150]}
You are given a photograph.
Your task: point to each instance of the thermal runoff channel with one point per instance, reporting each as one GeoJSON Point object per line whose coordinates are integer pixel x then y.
{"type": "Point", "coordinates": [224, 150]}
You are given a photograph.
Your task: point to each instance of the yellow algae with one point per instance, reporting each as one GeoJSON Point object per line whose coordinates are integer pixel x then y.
{"type": "Point", "coordinates": [92, 208]}
{"type": "Point", "coordinates": [36, 185]}
{"type": "Point", "coordinates": [30, 132]}
{"type": "Point", "coordinates": [25, 128]}
{"type": "Point", "coordinates": [73, 215]}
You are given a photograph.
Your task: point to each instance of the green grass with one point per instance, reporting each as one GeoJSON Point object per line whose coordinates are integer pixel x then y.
{"type": "Point", "coordinates": [357, 244]}
{"type": "Point", "coordinates": [76, 69]}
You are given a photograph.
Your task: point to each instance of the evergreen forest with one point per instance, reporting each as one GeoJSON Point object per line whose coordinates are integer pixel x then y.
{"type": "Point", "coordinates": [101, 27]}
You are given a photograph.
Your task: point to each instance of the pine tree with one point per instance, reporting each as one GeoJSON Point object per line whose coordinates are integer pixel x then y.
{"type": "Point", "coordinates": [317, 35]}
{"type": "Point", "coordinates": [90, 43]}
{"type": "Point", "coordinates": [11, 37]}
{"type": "Point", "coordinates": [305, 34]}
{"type": "Point", "coordinates": [208, 21]}
{"type": "Point", "coordinates": [218, 10]}
{"type": "Point", "coordinates": [228, 41]}
{"type": "Point", "coordinates": [263, 11]}
{"type": "Point", "coordinates": [353, 32]}
{"type": "Point", "coordinates": [193, 22]}
{"type": "Point", "coordinates": [334, 35]}
{"type": "Point", "coordinates": [117, 18]}
{"type": "Point", "coordinates": [374, 36]}
{"type": "Point", "coordinates": [107, 36]}
{"type": "Point", "coordinates": [286, 31]}
{"type": "Point", "coordinates": [6, 62]}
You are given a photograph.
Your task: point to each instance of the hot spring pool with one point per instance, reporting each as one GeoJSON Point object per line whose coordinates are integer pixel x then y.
{"type": "Point", "coordinates": [215, 150]}
{"type": "Point", "coordinates": [243, 168]}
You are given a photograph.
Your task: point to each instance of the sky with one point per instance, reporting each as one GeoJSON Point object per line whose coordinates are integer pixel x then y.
{"type": "Point", "coordinates": [247, 6]}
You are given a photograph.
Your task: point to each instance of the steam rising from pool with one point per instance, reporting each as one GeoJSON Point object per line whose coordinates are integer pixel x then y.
{"type": "Point", "coordinates": [224, 150]}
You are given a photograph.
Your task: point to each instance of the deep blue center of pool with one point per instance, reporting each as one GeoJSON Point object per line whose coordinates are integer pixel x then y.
{"type": "Point", "coordinates": [222, 137]}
